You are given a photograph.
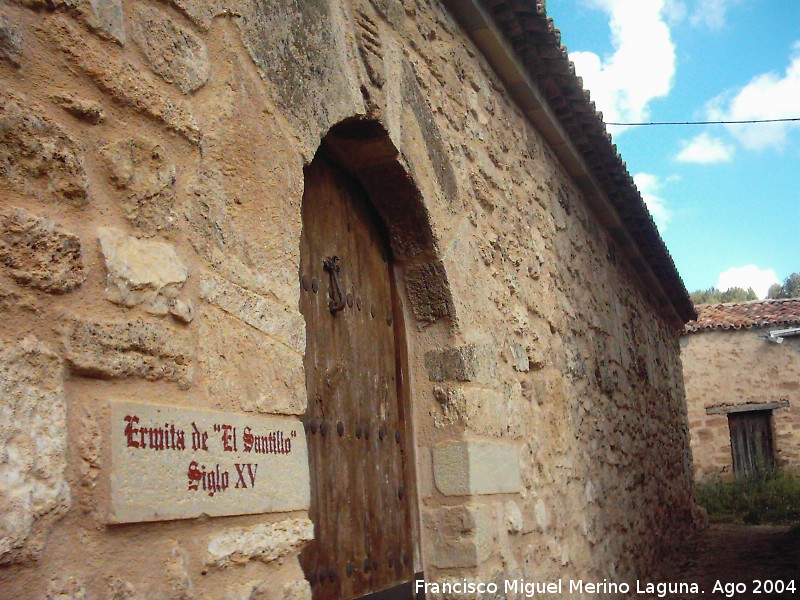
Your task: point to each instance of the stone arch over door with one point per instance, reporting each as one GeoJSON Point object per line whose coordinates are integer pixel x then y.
{"type": "Point", "coordinates": [364, 229]}
{"type": "Point", "coordinates": [364, 149]}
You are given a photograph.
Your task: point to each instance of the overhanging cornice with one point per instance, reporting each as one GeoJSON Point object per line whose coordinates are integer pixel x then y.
{"type": "Point", "coordinates": [523, 47]}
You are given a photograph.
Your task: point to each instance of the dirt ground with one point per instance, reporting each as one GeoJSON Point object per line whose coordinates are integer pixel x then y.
{"type": "Point", "coordinates": [740, 554]}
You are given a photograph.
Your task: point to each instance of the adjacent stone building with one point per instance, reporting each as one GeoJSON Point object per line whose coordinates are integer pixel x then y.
{"type": "Point", "coordinates": [306, 298]}
{"type": "Point", "coordinates": [741, 366]}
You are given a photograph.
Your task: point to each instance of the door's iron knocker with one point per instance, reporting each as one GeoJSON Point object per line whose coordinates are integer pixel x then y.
{"type": "Point", "coordinates": [337, 301]}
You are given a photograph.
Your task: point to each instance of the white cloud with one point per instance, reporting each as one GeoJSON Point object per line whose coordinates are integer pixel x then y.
{"type": "Point", "coordinates": [649, 186]}
{"type": "Point", "coordinates": [767, 96]}
{"type": "Point", "coordinates": [675, 10]}
{"type": "Point", "coordinates": [711, 13]}
{"type": "Point", "coordinates": [705, 149]}
{"type": "Point", "coordinates": [748, 276]}
{"type": "Point", "coordinates": [642, 65]}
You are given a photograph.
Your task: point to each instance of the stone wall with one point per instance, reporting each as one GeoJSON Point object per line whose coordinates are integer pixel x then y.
{"type": "Point", "coordinates": [151, 177]}
{"type": "Point", "coordinates": [732, 368]}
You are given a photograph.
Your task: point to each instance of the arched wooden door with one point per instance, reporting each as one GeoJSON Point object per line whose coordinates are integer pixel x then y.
{"type": "Point", "coordinates": [357, 431]}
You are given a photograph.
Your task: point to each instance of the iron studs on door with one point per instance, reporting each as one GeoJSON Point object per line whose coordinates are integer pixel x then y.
{"type": "Point", "coordinates": [358, 471]}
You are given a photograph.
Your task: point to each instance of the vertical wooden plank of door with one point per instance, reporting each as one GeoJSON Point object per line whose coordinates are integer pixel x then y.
{"type": "Point", "coordinates": [748, 444]}
{"type": "Point", "coordinates": [752, 439]}
{"type": "Point", "coordinates": [309, 308]}
{"type": "Point", "coordinates": [368, 357]}
{"type": "Point", "coordinates": [376, 342]}
{"type": "Point", "coordinates": [324, 231]}
{"type": "Point", "coordinates": [737, 446]}
{"type": "Point", "coordinates": [762, 437]}
{"type": "Point", "coordinates": [360, 504]}
{"type": "Point", "coordinates": [362, 395]}
{"type": "Point", "coordinates": [751, 442]}
{"type": "Point", "coordinates": [769, 451]}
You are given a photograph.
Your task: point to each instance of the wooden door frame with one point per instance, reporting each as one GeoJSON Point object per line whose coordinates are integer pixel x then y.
{"type": "Point", "coordinates": [363, 150]}
{"type": "Point", "coordinates": [741, 414]}
{"type": "Point", "coordinates": [405, 401]}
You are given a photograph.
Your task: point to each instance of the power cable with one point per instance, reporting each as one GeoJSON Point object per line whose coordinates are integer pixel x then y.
{"type": "Point", "coordinates": [707, 122]}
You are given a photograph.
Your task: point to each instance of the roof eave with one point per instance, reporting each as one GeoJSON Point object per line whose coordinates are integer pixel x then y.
{"type": "Point", "coordinates": [633, 226]}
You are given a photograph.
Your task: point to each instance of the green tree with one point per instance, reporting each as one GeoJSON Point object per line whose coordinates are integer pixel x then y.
{"type": "Point", "coordinates": [708, 296]}
{"type": "Point", "coordinates": [790, 288]}
{"type": "Point", "coordinates": [737, 294]}
{"type": "Point", "coordinates": [714, 296]}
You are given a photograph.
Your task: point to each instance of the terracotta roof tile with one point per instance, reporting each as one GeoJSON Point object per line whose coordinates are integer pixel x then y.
{"type": "Point", "coordinates": [744, 315]}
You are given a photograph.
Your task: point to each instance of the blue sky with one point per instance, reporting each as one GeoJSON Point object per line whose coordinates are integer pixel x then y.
{"type": "Point", "coordinates": [726, 198]}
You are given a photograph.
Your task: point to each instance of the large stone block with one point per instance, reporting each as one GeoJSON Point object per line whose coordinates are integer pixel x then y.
{"type": "Point", "coordinates": [109, 349]}
{"type": "Point", "coordinates": [282, 323]}
{"type": "Point", "coordinates": [172, 51]}
{"type": "Point", "coordinates": [463, 363]}
{"type": "Point", "coordinates": [306, 58]}
{"type": "Point", "coordinates": [475, 467]}
{"type": "Point", "coordinates": [370, 45]}
{"type": "Point", "coordinates": [548, 387]}
{"type": "Point", "coordinates": [483, 411]}
{"type": "Point", "coordinates": [414, 97]}
{"type": "Point", "coordinates": [244, 214]}
{"type": "Point", "coordinates": [427, 289]}
{"type": "Point", "coordinates": [123, 80]}
{"type": "Point", "coordinates": [105, 16]}
{"type": "Point", "coordinates": [460, 536]}
{"type": "Point", "coordinates": [38, 253]}
{"type": "Point", "coordinates": [141, 271]}
{"type": "Point", "coordinates": [70, 587]}
{"type": "Point", "coordinates": [265, 543]}
{"type": "Point", "coordinates": [10, 43]}
{"type": "Point", "coordinates": [36, 155]}
{"type": "Point", "coordinates": [142, 169]}
{"type": "Point", "coordinates": [242, 365]}
{"type": "Point", "coordinates": [33, 445]}
{"type": "Point", "coordinates": [261, 255]}
{"type": "Point", "coordinates": [84, 109]}
{"type": "Point", "coordinates": [202, 12]}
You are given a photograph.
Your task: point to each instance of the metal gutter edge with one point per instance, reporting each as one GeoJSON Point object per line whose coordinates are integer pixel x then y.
{"type": "Point", "coordinates": [478, 24]}
{"type": "Point", "coordinates": [776, 335]}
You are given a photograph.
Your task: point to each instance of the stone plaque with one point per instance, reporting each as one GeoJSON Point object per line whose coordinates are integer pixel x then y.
{"type": "Point", "coordinates": [171, 462]}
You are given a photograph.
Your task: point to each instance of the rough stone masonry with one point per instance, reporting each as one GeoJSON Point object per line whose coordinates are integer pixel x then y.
{"type": "Point", "coordinates": [151, 180]}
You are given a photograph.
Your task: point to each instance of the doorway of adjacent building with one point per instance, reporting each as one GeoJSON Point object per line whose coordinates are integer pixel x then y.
{"type": "Point", "coordinates": [751, 442]}
{"type": "Point", "coordinates": [362, 492]}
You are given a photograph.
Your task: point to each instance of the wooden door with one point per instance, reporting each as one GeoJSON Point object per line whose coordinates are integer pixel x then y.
{"type": "Point", "coordinates": [362, 488]}
{"type": "Point", "coordinates": [751, 442]}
